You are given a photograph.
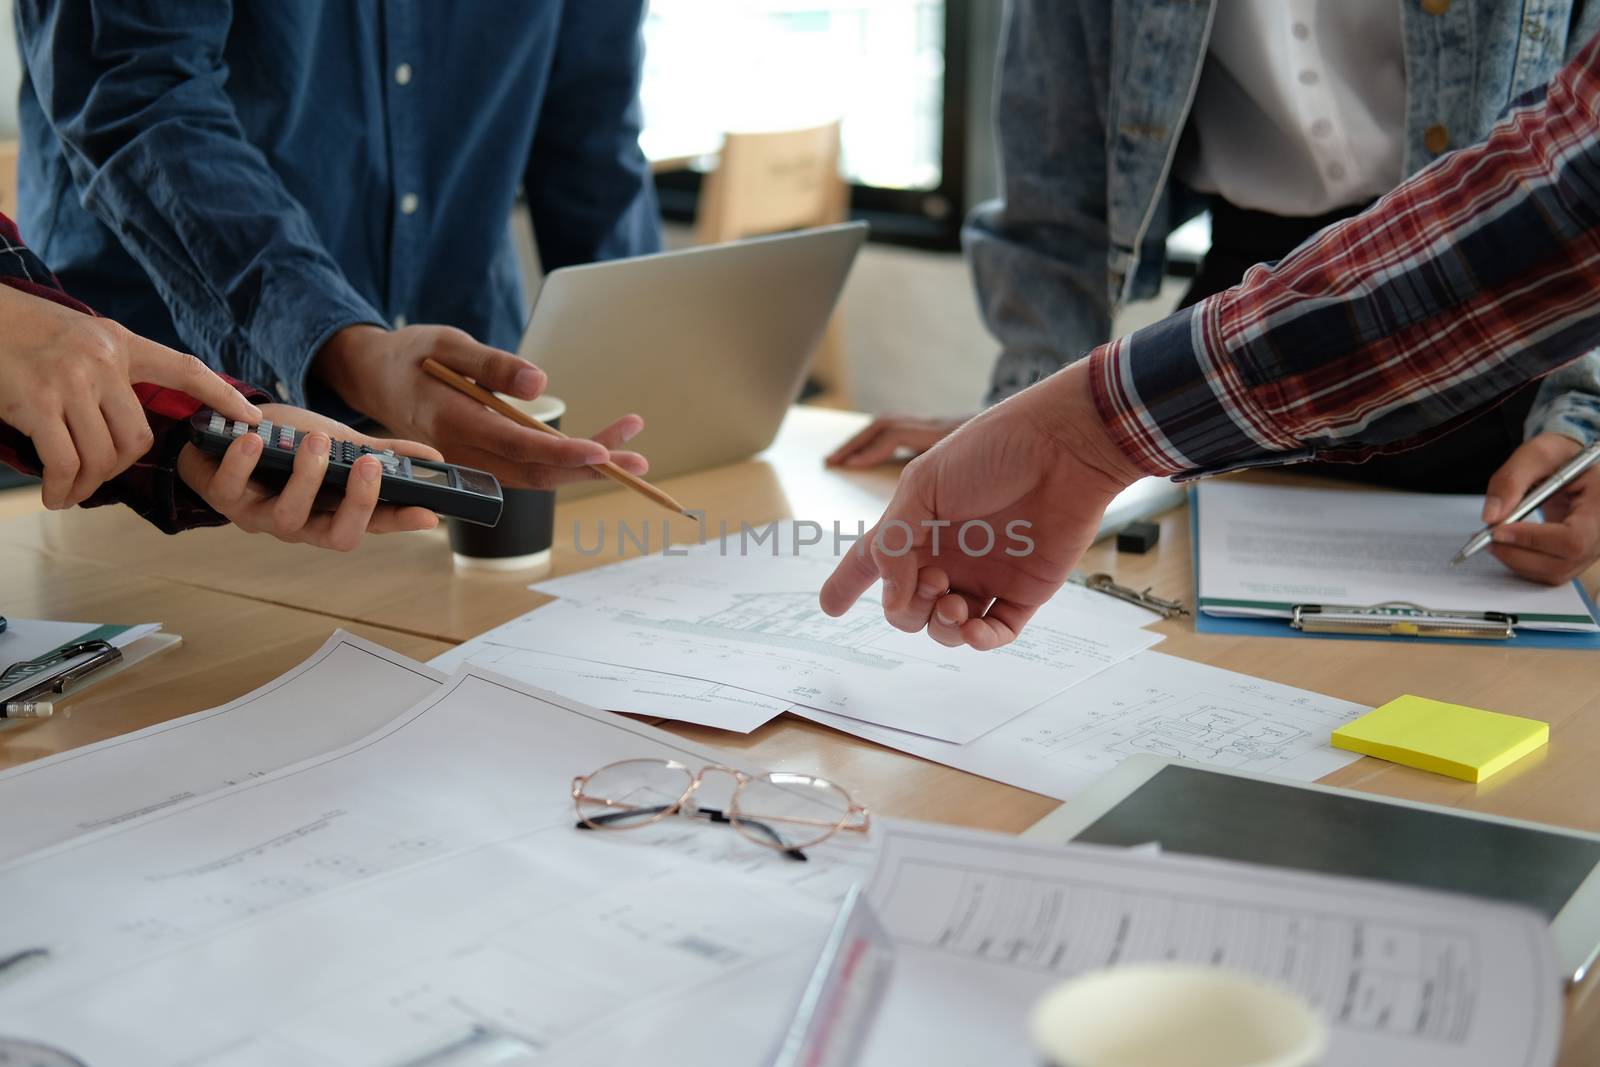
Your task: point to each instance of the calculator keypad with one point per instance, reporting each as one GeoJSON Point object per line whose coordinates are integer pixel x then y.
{"type": "Point", "coordinates": [288, 439]}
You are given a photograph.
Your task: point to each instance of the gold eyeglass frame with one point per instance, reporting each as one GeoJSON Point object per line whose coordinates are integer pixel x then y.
{"type": "Point", "coordinates": [684, 804]}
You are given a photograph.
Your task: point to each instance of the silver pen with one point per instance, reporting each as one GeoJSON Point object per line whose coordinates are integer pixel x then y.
{"type": "Point", "coordinates": [1542, 492]}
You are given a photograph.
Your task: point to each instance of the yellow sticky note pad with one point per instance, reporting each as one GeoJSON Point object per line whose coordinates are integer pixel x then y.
{"type": "Point", "coordinates": [1451, 739]}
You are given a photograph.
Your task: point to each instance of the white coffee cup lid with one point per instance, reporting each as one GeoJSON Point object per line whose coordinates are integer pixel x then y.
{"type": "Point", "coordinates": [1175, 1015]}
{"type": "Point", "coordinates": [533, 561]}
{"type": "Point", "coordinates": [545, 408]}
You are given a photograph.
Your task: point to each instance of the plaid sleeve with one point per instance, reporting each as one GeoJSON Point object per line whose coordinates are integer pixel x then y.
{"type": "Point", "coordinates": [1479, 274]}
{"type": "Point", "coordinates": [151, 487]}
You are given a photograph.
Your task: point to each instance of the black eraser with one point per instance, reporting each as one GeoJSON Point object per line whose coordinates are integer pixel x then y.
{"type": "Point", "coordinates": [1138, 537]}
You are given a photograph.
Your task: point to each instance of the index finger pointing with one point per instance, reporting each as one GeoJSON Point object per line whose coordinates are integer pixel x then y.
{"type": "Point", "coordinates": [160, 365]}
{"type": "Point", "coordinates": [853, 576]}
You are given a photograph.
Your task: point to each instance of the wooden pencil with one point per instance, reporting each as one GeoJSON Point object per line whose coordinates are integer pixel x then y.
{"type": "Point", "coordinates": [468, 387]}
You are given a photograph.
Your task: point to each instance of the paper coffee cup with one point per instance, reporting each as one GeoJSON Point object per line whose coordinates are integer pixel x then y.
{"type": "Point", "coordinates": [522, 539]}
{"type": "Point", "coordinates": [1175, 1015]}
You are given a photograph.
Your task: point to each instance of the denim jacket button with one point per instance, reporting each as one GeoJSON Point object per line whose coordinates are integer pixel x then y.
{"type": "Point", "coordinates": [1436, 139]}
{"type": "Point", "coordinates": [1435, 7]}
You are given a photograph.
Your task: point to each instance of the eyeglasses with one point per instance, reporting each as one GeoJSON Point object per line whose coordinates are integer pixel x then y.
{"type": "Point", "coordinates": [783, 812]}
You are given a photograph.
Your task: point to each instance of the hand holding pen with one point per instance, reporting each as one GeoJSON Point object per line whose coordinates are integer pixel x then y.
{"type": "Point", "coordinates": [1563, 546]}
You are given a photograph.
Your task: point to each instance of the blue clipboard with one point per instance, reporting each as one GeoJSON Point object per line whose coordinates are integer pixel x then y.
{"type": "Point", "coordinates": [1244, 627]}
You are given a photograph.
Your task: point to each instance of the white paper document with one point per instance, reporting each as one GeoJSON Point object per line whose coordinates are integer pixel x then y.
{"type": "Point", "coordinates": [595, 584]}
{"type": "Point", "coordinates": [983, 925]}
{"type": "Point", "coordinates": [346, 690]}
{"type": "Point", "coordinates": [612, 685]}
{"type": "Point", "coordinates": [420, 892]}
{"type": "Point", "coordinates": [1150, 703]}
{"type": "Point", "coordinates": [752, 622]}
{"type": "Point", "coordinates": [617, 688]}
{"type": "Point", "coordinates": [1265, 549]}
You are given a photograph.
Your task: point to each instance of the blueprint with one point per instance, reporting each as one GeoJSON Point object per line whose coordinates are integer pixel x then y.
{"type": "Point", "coordinates": [778, 629]}
{"type": "Point", "coordinates": [752, 623]}
{"type": "Point", "coordinates": [419, 891]}
{"type": "Point", "coordinates": [984, 924]}
{"type": "Point", "coordinates": [1149, 703]}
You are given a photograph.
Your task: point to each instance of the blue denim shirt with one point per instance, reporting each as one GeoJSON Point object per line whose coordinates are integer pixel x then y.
{"type": "Point", "coordinates": [245, 179]}
{"type": "Point", "coordinates": [1092, 103]}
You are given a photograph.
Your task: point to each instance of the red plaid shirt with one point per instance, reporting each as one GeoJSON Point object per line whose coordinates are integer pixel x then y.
{"type": "Point", "coordinates": [1480, 273]}
{"type": "Point", "coordinates": [151, 486]}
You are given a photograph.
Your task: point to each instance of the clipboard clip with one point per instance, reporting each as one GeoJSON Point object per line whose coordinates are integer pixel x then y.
{"type": "Point", "coordinates": [53, 672]}
{"type": "Point", "coordinates": [1401, 618]}
{"type": "Point", "coordinates": [1104, 583]}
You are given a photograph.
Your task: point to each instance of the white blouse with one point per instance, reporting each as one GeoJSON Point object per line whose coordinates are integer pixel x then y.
{"type": "Point", "coordinates": [1301, 105]}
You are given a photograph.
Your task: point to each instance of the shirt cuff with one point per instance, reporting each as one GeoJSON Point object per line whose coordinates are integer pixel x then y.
{"type": "Point", "coordinates": [1574, 415]}
{"type": "Point", "coordinates": [152, 487]}
{"type": "Point", "coordinates": [1170, 404]}
{"type": "Point", "coordinates": [297, 315]}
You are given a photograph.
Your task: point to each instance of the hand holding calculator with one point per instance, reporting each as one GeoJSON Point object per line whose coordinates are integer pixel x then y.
{"type": "Point", "coordinates": [458, 492]}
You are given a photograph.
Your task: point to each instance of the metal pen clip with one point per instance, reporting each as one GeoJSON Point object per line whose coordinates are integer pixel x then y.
{"type": "Point", "coordinates": [1104, 583]}
{"type": "Point", "coordinates": [1401, 618]}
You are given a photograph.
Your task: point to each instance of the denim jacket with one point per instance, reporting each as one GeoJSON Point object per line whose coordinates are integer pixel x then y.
{"type": "Point", "coordinates": [1092, 102]}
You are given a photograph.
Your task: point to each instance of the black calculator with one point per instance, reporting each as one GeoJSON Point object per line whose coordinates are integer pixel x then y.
{"type": "Point", "coordinates": [458, 492]}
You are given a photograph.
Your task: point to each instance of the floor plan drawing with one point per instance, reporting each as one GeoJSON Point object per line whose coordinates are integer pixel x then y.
{"type": "Point", "coordinates": [754, 624]}
{"type": "Point", "coordinates": [1148, 703]}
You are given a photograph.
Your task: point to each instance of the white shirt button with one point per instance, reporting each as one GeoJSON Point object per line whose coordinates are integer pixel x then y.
{"type": "Point", "coordinates": [402, 74]}
{"type": "Point", "coordinates": [1336, 171]}
{"type": "Point", "coordinates": [1301, 31]}
{"type": "Point", "coordinates": [1321, 128]}
{"type": "Point", "coordinates": [409, 204]}
{"type": "Point", "coordinates": [399, 322]}
{"type": "Point", "coordinates": [1309, 77]}
{"type": "Point", "coordinates": [282, 389]}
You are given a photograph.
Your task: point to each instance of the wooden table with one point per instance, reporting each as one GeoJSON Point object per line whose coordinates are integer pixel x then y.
{"type": "Point", "coordinates": [230, 646]}
{"type": "Point", "coordinates": [249, 608]}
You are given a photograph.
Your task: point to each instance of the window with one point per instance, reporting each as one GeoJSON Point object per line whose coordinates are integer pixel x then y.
{"type": "Point", "coordinates": [893, 70]}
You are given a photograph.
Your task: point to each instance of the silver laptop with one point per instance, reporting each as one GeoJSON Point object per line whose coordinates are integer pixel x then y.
{"type": "Point", "coordinates": [710, 344]}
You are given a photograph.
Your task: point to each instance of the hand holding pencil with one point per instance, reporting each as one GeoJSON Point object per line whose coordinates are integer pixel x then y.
{"type": "Point", "coordinates": [489, 400]}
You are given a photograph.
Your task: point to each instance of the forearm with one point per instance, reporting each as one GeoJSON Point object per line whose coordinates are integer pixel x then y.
{"type": "Point", "coordinates": [1472, 278]}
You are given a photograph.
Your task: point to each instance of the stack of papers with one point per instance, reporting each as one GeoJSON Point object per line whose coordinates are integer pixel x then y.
{"type": "Point", "coordinates": [418, 895]}
{"type": "Point", "coordinates": [733, 640]}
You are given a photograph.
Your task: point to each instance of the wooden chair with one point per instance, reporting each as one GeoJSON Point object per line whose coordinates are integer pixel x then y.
{"type": "Point", "coordinates": [8, 178]}
{"type": "Point", "coordinates": [771, 182]}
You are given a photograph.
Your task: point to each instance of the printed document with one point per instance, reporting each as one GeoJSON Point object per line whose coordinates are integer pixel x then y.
{"type": "Point", "coordinates": [752, 622]}
{"type": "Point", "coordinates": [984, 924]}
{"type": "Point", "coordinates": [1265, 549]}
{"type": "Point", "coordinates": [618, 688]}
{"type": "Point", "coordinates": [346, 690]}
{"type": "Point", "coordinates": [1150, 703]}
{"type": "Point", "coordinates": [417, 893]}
